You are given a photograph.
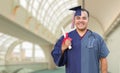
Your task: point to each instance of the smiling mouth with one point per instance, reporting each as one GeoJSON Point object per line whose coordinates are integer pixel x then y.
{"type": "Point", "coordinates": [80, 24]}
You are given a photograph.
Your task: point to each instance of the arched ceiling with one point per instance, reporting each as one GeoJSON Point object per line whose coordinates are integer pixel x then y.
{"type": "Point", "coordinates": [50, 13]}
{"type": "Point", "coordinates": [53, 14]}
{"type": "Point", "coordinates": [105, 11]}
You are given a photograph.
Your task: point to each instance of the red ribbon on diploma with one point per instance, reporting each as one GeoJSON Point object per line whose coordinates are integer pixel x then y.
{"type": "Point", "coordinates": [66, 38]}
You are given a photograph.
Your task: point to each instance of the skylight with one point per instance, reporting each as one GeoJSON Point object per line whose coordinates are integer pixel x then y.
{"type": "Point", "coordinates": [50, 13]}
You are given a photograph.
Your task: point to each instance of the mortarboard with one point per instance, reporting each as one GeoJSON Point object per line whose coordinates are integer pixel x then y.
{"type": "Point", "coordinates": [77, 13]}
{"type": "Point", "coordinates": [77, 10]}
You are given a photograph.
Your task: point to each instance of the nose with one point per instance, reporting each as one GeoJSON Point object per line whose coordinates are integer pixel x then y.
{"type": "Point", "coordinates": [81, 20]}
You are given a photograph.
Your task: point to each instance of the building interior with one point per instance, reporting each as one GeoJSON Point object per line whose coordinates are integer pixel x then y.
{"type": "Point", "coordinates": [29, 30]}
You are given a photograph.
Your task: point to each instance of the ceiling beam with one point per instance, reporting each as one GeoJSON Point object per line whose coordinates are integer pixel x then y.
{"type": "Point", "coordinates": [11, 28]}
{"type": "Point", "coordinates": [113, 26]}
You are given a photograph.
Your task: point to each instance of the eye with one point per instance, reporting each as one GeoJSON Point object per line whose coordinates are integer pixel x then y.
{"type": "Point", "coordinates": [77, 17]}
{"type": "Point", "coordinates": [84, 18]}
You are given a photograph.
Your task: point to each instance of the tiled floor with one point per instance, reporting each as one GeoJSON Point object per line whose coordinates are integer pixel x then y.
{"type": "Point", "coordinates": [58, 70]}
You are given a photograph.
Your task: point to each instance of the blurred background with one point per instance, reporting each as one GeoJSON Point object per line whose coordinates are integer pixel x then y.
{"type": "Point", "coordinates": [30, 28]}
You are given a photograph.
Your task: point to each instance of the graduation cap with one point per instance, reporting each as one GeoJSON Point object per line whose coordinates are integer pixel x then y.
{"type": "Point", "coordinates": [77, 10]}
{"type": "Point", "coordinates": [77, 13]}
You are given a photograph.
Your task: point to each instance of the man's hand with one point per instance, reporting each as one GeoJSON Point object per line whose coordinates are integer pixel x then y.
{"type": "Point", "coordinates": [65, 44]}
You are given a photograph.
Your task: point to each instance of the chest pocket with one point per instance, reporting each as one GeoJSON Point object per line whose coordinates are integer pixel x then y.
{"type": "Point", "coordinates": [92, 44]}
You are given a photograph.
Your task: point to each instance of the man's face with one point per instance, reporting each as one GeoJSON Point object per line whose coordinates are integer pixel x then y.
{"type": "Point", "coordinates": [81, 22]}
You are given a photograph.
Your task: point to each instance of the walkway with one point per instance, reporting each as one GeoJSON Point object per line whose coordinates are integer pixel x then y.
{"type": "Point", "coordinates": [58, 70]}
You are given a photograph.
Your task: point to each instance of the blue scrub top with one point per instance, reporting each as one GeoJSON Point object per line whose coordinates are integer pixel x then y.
{"type": "Point", "coordinates": [85, 53]}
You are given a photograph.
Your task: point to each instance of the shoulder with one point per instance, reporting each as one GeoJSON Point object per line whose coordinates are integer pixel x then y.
{"type": "Point", "coordinates": [98, 36]}
{"type": "Point", "coordinates": [71, 33]}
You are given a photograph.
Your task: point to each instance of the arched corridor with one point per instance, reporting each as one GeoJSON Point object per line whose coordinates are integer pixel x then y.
{"type": "Point", "coordinates": [29, 30]}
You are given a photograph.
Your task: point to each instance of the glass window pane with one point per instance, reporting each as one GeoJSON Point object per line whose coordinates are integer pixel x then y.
{"type": "Point", "coordinates": [27, 45]}
{"type": "Point", "coordinates": [3, 38]}
{"type": "Point", "coordinates": [9, 42]}
{"type": "Point", "coordinates": [30, 2]}
{"type": "Point", "coordinates": [39, 1]}
{"type": "Point", "coordinates": [39, 52]}
{"type": "Point", "coordinates": [17, 49]}
{"type": "Point", "coordinates": [30, 8]}
{"type": "Point", "coordinates": [28, 48]}
{"type": "Point", "coordinates": [28, 53]}
{"type": "Point", "coordinates": [34, 12]}
{"type": "Point", "coordinates": [23, 3]}
{"type": "Point", "coordinates": [46, 6]}
{"type": "Point", "coordinates": [35, 4]}
{"type": "Point", "coordinates": [50, 11]}
{"type": "Point", "coordinates": [50, 1]}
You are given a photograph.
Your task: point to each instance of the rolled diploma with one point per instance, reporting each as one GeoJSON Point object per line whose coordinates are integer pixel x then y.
{"type": "Point", "coordinates": [65, 37]}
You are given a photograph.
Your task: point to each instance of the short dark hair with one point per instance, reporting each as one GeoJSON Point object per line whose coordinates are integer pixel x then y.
{"type": "Point", "coordinates": [82, 9]}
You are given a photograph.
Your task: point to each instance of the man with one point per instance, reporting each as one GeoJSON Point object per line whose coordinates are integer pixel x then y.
{"type": "Point", "coordinates": [89, 51]}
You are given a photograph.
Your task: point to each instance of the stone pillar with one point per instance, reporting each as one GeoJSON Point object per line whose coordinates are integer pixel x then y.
{"type": "Point", "coordinates": [33, 53]}
{"type": "Point", "coordinates": [51, 64]}
{"type": "Point", "coordinates": [47, 50]}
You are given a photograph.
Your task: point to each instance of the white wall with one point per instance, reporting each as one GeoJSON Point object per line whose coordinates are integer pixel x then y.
{"type": "Point", "coordinates": [113, 42]}
{"type": "Point", "coordinates": [95, 25]}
